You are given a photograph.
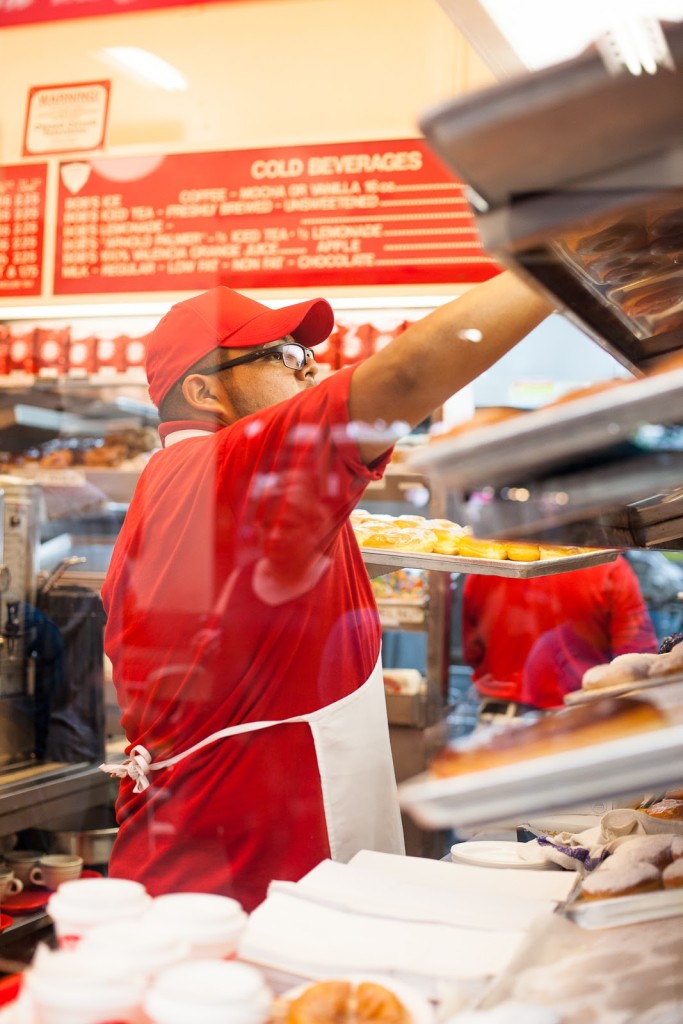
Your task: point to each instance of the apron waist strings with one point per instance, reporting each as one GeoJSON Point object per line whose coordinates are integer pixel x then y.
{"type": "Point", "coordinates": [139, 763]}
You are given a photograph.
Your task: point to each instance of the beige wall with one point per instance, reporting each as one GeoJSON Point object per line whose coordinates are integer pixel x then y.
{"type": "Point", "coordinates": [261, 73]}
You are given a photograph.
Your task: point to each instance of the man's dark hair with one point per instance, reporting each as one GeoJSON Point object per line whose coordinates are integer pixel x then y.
{"type": "Point", "coordinates": [174, 405]}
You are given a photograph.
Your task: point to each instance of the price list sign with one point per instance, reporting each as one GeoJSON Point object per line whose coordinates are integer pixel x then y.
{"type": "Point", "coordinates": [22, 217]}
{"type": "Point", "coordinates": [350, 214]}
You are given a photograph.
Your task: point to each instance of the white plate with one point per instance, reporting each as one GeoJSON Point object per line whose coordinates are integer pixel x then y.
{"type": "Point", "coordinates": [417, 1006]}
{"type": "Point", "coordinates": [498, 854]}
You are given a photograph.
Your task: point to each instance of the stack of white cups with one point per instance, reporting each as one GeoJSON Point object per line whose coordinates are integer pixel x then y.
{"type": "Point", "coordinates": [125, 958]}
{"type": "Point", "coordinates": [80, 905]}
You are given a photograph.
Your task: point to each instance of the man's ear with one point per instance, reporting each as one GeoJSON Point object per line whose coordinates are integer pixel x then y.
{"type": "Point", "coordinates": [203, 393]}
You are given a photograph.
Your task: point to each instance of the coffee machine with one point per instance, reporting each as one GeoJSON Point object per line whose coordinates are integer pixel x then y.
{"type": "Point", "coordinates": [20, 504]}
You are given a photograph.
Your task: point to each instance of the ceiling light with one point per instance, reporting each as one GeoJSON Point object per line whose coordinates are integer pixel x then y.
{"type": "Point", "coordinates": [146, 66]}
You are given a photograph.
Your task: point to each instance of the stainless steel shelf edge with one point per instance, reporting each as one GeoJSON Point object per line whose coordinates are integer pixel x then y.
{"type": "Point", "coordinates": [644, 762]}
{"type": "Point", "coordinates": [538, 440]}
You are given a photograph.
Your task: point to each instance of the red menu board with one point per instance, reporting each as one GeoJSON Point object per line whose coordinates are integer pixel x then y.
{"type": "Point", "coordinates": [366, 213]}
{"type": "Point", "coordinates": [22, 216]}
{"type": "Point", "coordinates": [23, 12]}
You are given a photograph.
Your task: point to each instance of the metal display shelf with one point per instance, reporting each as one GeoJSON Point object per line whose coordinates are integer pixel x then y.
{"type": "Point", "coordinates": [380, 561]}
{"type": "Point", "coordinates": [537, 442]}
{"type": "Point", "coordinates": [647, 762]}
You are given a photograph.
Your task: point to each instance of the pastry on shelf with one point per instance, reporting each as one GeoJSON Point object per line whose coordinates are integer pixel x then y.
{"type": "Point", "coordinates": [598, 721]}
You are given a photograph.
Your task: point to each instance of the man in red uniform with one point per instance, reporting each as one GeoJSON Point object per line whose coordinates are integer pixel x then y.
{"type": "Point", "coordinates": [530, 641]}
{"type": "Point", "coordinates": [242, 628]}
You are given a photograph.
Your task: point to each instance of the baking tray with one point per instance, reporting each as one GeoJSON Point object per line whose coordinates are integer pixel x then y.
{"type": "Point", "coordinates": [531, 444]}
{"type": "Point", "coordinates": [622, 910]}
{"type": "Point", "coordinates": [620, 690]}
{"type": "Point", "coordinates": [485, 566]}
{"type": "Point", "coordinates": [514, 791]}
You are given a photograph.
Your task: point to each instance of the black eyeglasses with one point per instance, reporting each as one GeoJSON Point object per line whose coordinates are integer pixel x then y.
{"type": "Point", "coordinates": [292, 354]}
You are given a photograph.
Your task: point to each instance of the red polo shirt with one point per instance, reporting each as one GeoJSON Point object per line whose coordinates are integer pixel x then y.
{"type": "Point", "coordinates": [201, 639]}
{"type": "Point", "coordinates": [530, 641]}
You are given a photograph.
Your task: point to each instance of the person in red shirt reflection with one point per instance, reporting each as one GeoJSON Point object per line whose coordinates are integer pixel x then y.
{"type": "Point", "coordinates": [530, 641]}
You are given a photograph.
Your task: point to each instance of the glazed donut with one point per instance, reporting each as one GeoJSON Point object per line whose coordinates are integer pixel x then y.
{"type": "Point", "coordinates": [516, 551]}
{"type": "Point", "coordinates": [668, 245]}
{"type": "Point", "coordinates": [475, 547]}
{"type": "Point", "coordinates": [677, 848]}
{"type": "Point", "coordinates": [612, 268]}
{"type": "Point", "coordinates": [656, 300]}
{"type": "Point", "coordinates": [443, 524]}
{"type": "Point", "coordinates": [635, 271]}
{"type": "Point", "coordinates": [672, 810]}
{"type": "Point", "coordinates": [625, 235]}
{"type": "Point", "coordinates": [379, 537]}
{"type": "Point", "coordinates": [628, 880]}
{"type": "Point", "coordinates": [596, 721]}
{"type": "Point", "coordinates": [555, 551]}
{"type": "Point", "coordinates": [447, 542]}
{"type": "Point", "coordinates": [410, 521]}
{"type": "Point", "coordinates": [668, 223]}
{"type": "Point", "coordinates": [396, 539]}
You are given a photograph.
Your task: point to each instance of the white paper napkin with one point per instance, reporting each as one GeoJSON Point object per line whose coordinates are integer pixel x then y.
{"type": "Point", "coordinates": [428, 923]}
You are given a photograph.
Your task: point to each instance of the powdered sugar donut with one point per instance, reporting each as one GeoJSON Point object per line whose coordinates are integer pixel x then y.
{"type": "Point", "coordinates": [677, 848]}
{"type": "Point", "coordinates": [624, 880]}
{"type": "Point", "coordinates": [672, 875]}
{"type": "Point", "coordinates": [654, 849]}
{"type": "Point", "coordinates": [626, 668]}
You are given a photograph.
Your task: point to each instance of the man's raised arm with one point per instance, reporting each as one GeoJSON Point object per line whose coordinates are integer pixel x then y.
{"type": "Point", "coordinates": [441, 353]}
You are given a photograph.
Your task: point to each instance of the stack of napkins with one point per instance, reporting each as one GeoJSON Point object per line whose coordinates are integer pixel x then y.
{"type": "Point", "coordinates": [429, 923]}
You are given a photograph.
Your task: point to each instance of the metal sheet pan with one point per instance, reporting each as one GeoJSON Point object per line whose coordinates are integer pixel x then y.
{"type": "Point", "coordinates": [512, 792]}
{"type": "Point", "coordinates": [573, 172]}
{"type": "Point", "coordinates": [544, 440]}
{"type": "Point", "coordinates": [485, 566]}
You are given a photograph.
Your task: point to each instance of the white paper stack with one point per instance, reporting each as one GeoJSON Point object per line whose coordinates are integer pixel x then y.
{"type": "Point", "coordinates": [429, 923]}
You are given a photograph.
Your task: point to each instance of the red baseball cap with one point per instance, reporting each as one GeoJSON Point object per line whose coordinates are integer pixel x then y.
{"type": "Point", "coordinates": [223, 318]}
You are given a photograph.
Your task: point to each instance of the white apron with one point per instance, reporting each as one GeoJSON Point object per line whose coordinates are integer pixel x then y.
{"type": "Point", "coordinates": [353, 753]}
{"type": "Point", "coordinates": [351, 738]}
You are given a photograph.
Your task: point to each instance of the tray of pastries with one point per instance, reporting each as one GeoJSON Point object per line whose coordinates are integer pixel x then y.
{"type": "Point", "coordinates": [608, 748]}
{"type": "Point", "coordinates": [631, 673]}
{"type": "Point", "coordinates": [642, 880]}
{"type": "Point", "coordinates": [413, 541]}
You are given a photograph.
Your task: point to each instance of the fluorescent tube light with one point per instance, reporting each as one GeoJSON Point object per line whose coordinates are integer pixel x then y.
{"type": "Point", "coordinates": [145, 65]}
